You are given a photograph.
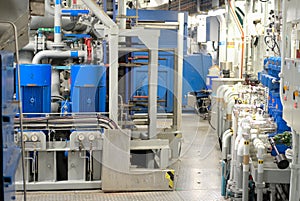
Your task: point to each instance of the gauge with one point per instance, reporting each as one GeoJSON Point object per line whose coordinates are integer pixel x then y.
{"type": "Point", "coordinates": [91, 137]}
{"type": "Point", "coordinates": [80, 137]}
{"type": "Point", "coordinates": [34, 138]}
{"type": "Point", "coordinates": [25, 138]}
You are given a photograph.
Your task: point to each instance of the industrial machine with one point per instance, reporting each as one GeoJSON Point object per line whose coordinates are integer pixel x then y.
{"type": "Point", "coordinates": [94, 80]}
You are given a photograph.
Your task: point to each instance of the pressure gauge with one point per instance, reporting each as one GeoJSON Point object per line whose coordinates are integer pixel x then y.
{"type": "Point", "coordinates": [25, 138]}
{"type": "Point", "coordinates": [34, 138]}
{"type": "Point", "coordinates": [80, 137]}
{"type": "Point", "coordinates": [91, 137]}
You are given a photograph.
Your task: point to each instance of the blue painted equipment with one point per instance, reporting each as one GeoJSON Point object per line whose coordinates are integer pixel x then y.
{"type": "Point", "coordinates": [270, 78]}
{"type": "Point", "coordinates": [195, 70]}
{"type": "Point", "coordinates": [139, 82]}
{"type": "Point", "coordinates": [88, 88]}
{"type": "Point", "coordinates": [36, 87]}
{"type": "Point", "coordinates": [10, 153]}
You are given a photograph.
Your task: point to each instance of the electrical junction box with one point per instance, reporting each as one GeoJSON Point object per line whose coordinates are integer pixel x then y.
{"type": "Point", "coordinates": [208, 29]}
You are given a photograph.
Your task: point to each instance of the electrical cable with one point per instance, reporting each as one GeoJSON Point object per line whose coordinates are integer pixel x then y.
{"type": "Point", "coordinates": [271, 43]}
{"type": "Point", "coordinates": [19, 102]}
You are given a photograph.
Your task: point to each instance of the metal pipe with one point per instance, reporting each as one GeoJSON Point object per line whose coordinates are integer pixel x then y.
{"type": "Point", "coordinates": [136, 12]}
{"type": "Point", "coordinates": [259, 145]}
{"type": "Point", "coordinates": [242, 36]}
{"type": "Point", "coordinates": [227, 25]}
{"type": "Point", "coordinates": [20, 101]}
{"type": "Point", "coordinates": [246, 171]}
{"type": "Point", "coordinates": [57, 54]}
{"type": "Point", "coordinates": [226, 141]}
{"type": "Point", "coordinates": [233, 138]}
{"type": "Point", "coordinates": [101, 15]}
{"type": "Point", "coordinates": [57, 23]}
{"type": "Point", "coordinates": [122, 14]}
{"type": "Point", "coordinates": [239, 162]}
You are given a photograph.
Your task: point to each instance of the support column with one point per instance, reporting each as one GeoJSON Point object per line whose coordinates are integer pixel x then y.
{"type": "Point", "coordinates": [152, 92]}
{"type": "Point", "coordinates": [178, 73]}
{"type": "Point", "coordinates": [113, 77]}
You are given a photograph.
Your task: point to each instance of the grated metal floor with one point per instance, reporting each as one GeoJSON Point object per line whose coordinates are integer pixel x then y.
{"type": "Point", "coordinates": [198, 172]}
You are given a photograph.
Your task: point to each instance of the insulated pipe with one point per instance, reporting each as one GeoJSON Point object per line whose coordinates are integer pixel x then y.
{"type": "Point", "coordinates": [57, 23]}
{"type": "Point", "coordinates": [234, 130]}
{"type": "Point", "coordinates": [228, 120]}
{"type": "Point", "coordinates": [242, 35]}
{"type": "Point", "coordinates": [221, 97]}
{"type": "Point", "coordinates": [246, 171]}
{"type": "Point", "coordinates": [259, 145]}
{"type": "Point", "coordinates": [122, 18]}
{"type": "Point", "coordinates": [220, 92]}
{"type": "Point", "coordinates": [226, 117]}
{"type": "Point", "coordinates": [57, 54]}
{"type": "Point", "coordinates": [234, 154]}
{"type": "Point", "coordinates": [122, 14]}
{"type": "Point", "coordinates": [239, 162]}
{"type": "Point", "coordinates": [233, 138]}
{"type": "Point", "coordinates": [226, 141]}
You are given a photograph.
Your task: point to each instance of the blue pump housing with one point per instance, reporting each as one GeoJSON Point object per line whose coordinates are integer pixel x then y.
{"type": "Point", "coordinates": [88, 88]}
{"type": "Point", "coordinates": [36, 87]}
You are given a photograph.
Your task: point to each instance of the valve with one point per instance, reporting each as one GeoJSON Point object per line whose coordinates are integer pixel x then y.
{"type": "Point", "coordinates": [280, 159]}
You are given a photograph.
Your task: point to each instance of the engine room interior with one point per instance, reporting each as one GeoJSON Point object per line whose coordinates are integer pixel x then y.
{"type": "Point", "coordinates": [150, 100]}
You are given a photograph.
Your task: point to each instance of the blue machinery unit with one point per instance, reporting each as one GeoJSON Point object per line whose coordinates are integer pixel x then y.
{"type": "Point", "coordinates": [88, 88]}
{"type": "Point", "coordinates": [270, 79]}
{"type": "Point", "coordinates": [195, 69]}
{"type": "Point", "coordinates": [36, 87]}
{"type": "Point", "coordinates": [10, 152]}
{"type": "Point", "coordinates": [88, 92]}
{"type": "Point", "coordinates": [81, 89]}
